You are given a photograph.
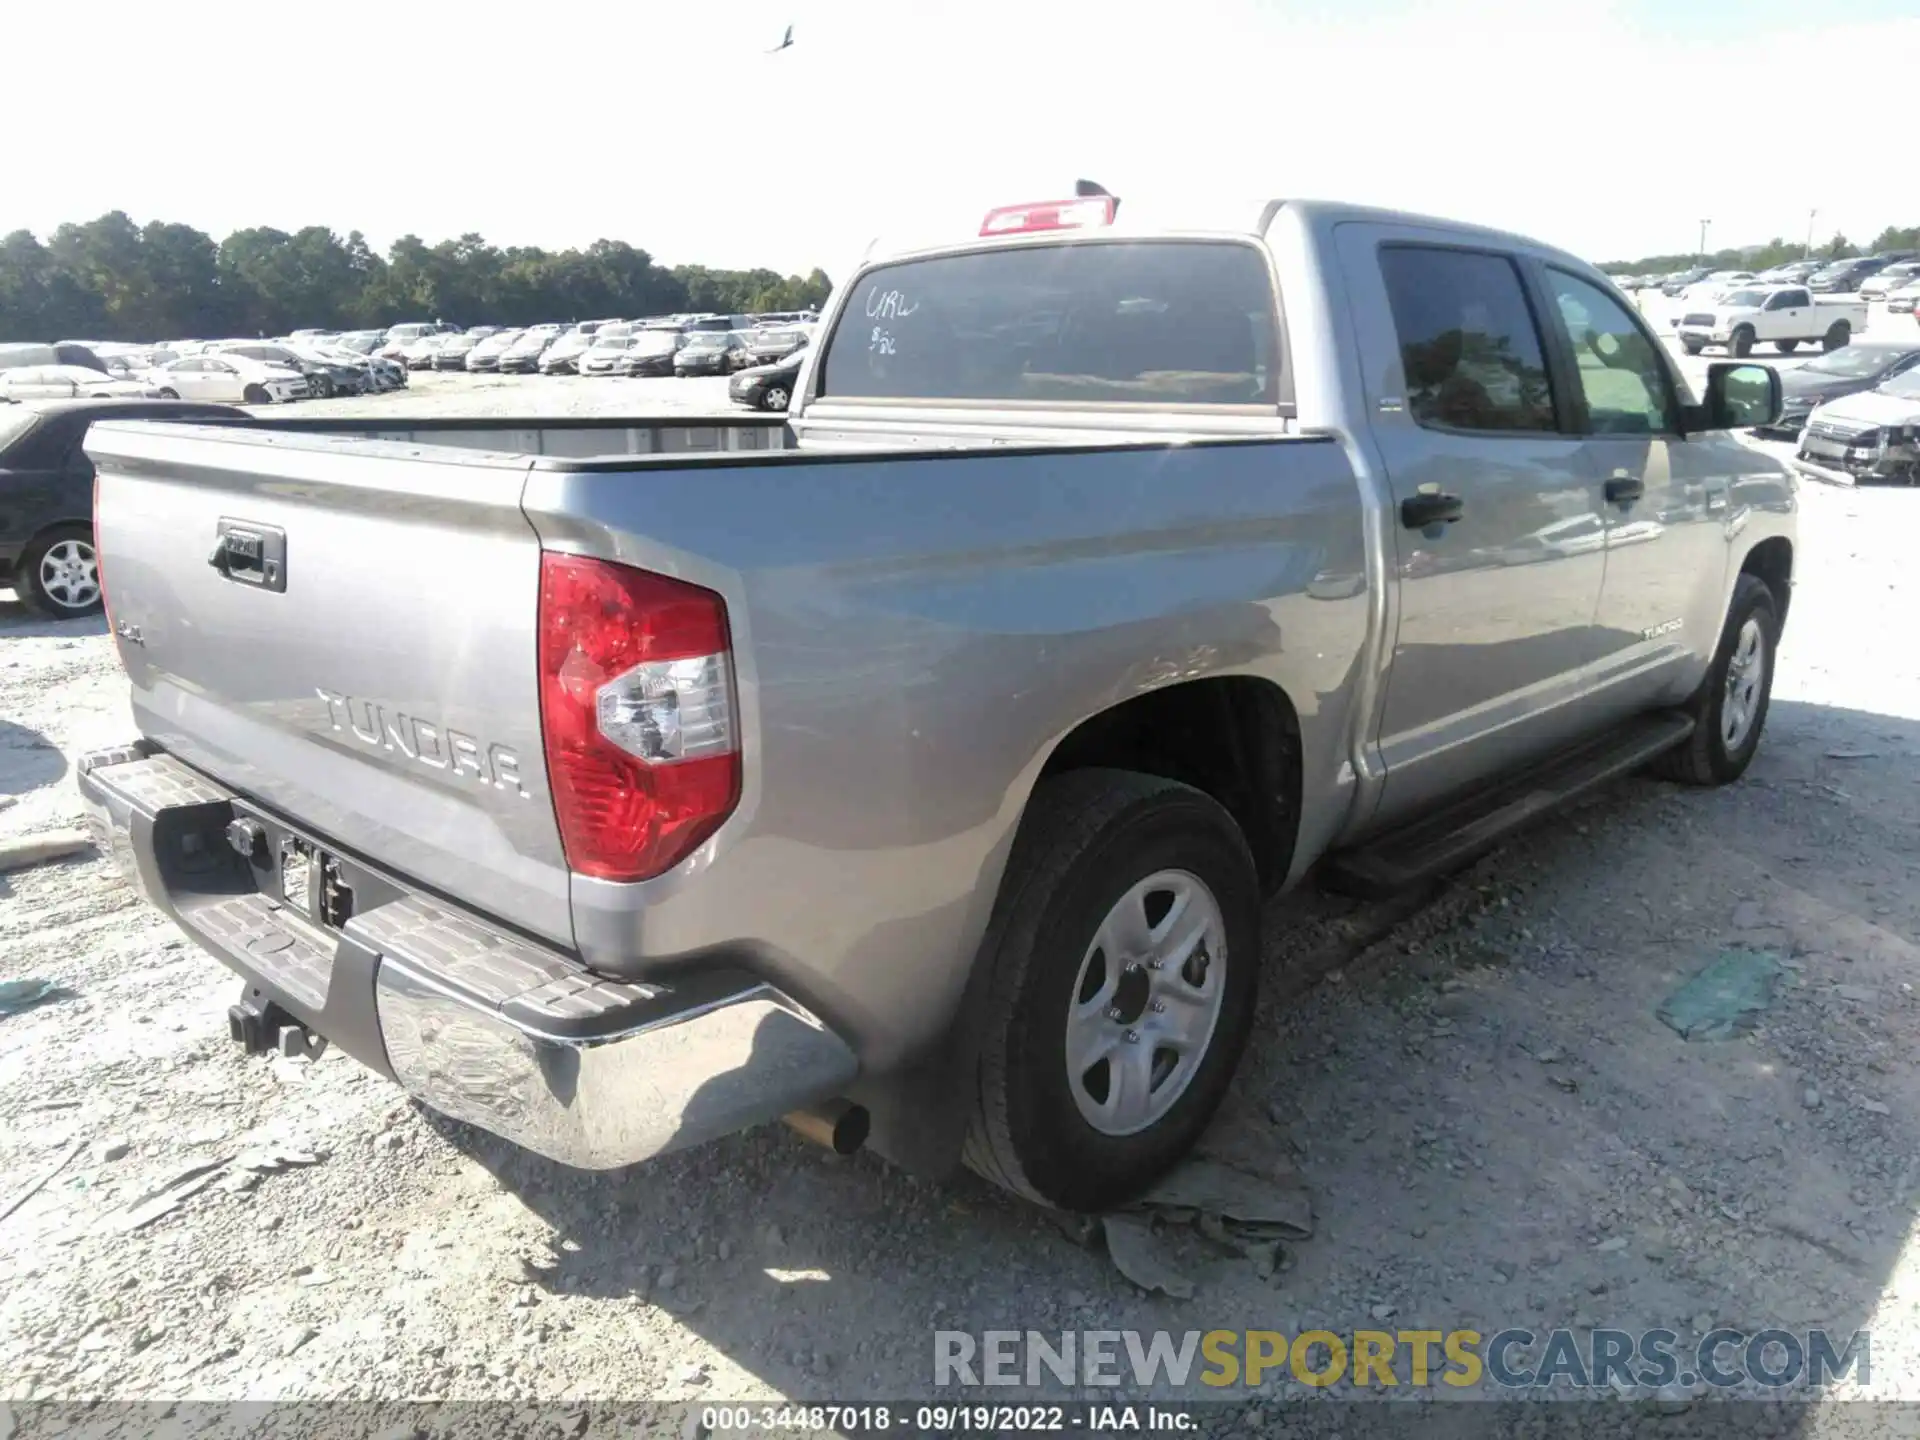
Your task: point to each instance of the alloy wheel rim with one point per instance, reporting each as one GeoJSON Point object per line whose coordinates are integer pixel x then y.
{"type": "Point", "coordinates": [1145, 1003]}
{"type": "Point", "coordinates": [1746, 669]}
{"type": "Point", "coordinates": [69, 574]}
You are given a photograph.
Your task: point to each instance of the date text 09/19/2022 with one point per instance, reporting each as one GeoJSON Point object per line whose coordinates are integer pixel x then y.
{"type": "Point", "coordinates": [942, 1418]}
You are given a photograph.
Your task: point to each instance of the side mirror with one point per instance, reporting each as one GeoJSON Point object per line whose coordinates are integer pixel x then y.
{"type": "Point", "coordinates": [1739, 397]}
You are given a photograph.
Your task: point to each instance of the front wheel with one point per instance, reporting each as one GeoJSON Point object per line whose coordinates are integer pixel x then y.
{"type": "Point", "coordinates": [1692, 347]}
{"type": "Point", "coordinates": [169, 394]}
{"type": "Point", "coordinates": [1730, 708]}
{"type": "Point", "coordinates": [775, 397]}
{"type": "Point", "coordinates": [59, 575]}
{"type": "Point", "coordinates": [1786, 347]}
{"type": "Point", "coordinates": [1122, 966]}
{"type": "Point", "coordinates": [1740, 345]}
{"type": "Point", "coordinates": [256, 395]}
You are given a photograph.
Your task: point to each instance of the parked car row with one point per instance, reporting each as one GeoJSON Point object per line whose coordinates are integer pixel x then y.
{"type": "Point", "coordinates": [320, 364]}
{"type": "Point", "coordinates": [660, 345]}
{"type": "Point", "coordinates": [1891, 277]}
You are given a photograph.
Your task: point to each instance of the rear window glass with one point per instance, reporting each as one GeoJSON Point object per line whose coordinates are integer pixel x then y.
{"type": "Point", "coordinates": [1161, 322]}
{"type": "Point", "coordinates": [15, 421]}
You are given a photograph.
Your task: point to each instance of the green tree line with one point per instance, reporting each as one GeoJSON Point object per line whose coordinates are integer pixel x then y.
{"type": "Point", "coordinates": [1777, 251]}
{"type": "Point", "coordinates": [110, 279]}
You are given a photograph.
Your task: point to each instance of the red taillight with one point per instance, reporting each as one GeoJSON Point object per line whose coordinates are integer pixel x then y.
{"type": "Point", "coordinates": [1050, 215]}
{"type": "Point", "coordinates": [636, 709]}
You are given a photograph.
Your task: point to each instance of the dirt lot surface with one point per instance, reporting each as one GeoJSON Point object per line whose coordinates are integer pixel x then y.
{"type": "Point", "coordinates": [1495, 1127]}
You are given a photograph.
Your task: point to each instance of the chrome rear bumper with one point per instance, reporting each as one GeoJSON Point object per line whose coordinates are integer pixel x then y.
{"type": "Point", "coordinates": [478, 1023]}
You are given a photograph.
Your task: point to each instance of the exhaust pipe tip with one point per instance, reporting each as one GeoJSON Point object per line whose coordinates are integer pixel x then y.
{"type": "Point", "coordinates": [839, 1125]}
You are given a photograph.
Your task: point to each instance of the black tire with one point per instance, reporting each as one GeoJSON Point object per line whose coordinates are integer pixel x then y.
{"type": "Point", "coordinates": [1837, 336]}
{"type": "Point", "coordinates": [324, 383]}
{"type": "Point", "coordinates": [256, 395]}
{"type": "Point", "coordinates": [169, 394]}
{"type": "Point", "coordinates": [1088, 837]}
{"type": "Point", "coordinates": [31, 578]}
{"type": "Point", "coordinates": [1692, 347]}
{"type": "Point", "coordinates": [1786, 347]}
{"type": "Point", "coordinates": [774, 397]}
{"type": "Point", "coordinates": [1740, 343]}
{"type": "Point", "coordinates": [1707, 758]}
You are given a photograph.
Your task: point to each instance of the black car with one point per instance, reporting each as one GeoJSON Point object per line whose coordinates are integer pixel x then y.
{"type": "Point", "coordinates": [768, 387]}
{"type": "Point", "coordinates": [711, 352]}
{"type": "Point", "coordinates": [46, 495]}
{"type": "Point", "coordinates": [1674, 284]}
{"type": "Point", "coordinates": [1863, 365]}
{"type": "Point", "coordinates": [1844, 276]}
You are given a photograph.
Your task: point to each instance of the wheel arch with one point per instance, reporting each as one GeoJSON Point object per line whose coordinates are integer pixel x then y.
{"type": "Point", "coordinates": [1233, 737]}
{"type": "Point", "coordinates": [1772, 562]}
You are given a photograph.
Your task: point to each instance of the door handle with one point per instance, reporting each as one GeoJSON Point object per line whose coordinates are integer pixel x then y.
{"type": "Point", "coordinates": [1624, 490]}
{"type": "Point", "coordinates": [1417, 512]}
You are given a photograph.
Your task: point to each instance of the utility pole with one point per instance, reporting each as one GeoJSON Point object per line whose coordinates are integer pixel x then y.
{"type": "Point", "coordinates": [1806, 253]}
{"type": "Point", "coordinates": [1701, 256]}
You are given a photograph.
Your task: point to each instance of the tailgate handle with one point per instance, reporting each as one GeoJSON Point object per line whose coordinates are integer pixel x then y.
{"type": "Point", "coordinates": [250, 554]}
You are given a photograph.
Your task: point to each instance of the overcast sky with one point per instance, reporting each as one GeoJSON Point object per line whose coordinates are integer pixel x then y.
{"type": "Point", "coordinates": [1610, 127]}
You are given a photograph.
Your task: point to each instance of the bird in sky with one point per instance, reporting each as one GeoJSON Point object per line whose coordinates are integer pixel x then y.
{"type": "Point", "coordinates": [786, 41]}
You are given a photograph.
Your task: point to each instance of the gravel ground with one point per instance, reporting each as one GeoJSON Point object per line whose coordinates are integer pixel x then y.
{"type": "Point", "coordinates": [1495, 1127]}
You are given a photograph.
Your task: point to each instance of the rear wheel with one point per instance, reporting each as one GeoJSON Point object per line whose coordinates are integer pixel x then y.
{"type": "Point", "coordinates": [256, 395]}
{"type": "Point", "coordinates": [169, 394]}
{"type": "Point", "coordinates": [775, 397]}
{"type": "Point", "coordinates": [1786, 347]}
{"type": "Point", "coordinates": [1730, 708]}
{"type": "Point", "coordinates": [1122, 962]}
{"type": "Point", "coordinates": [1838, 334]}
{"type": "Point", "coordinates": [1740, 343]}
{"type": "Point", "coordinates": [59, 574]}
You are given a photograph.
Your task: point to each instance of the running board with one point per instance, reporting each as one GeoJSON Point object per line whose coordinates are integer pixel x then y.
{"type": "Point", "coordinates": [1466, 830]}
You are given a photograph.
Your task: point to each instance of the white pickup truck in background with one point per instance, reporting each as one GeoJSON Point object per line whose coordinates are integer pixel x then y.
{"type": "Point", "coordinates": [1782, 314]}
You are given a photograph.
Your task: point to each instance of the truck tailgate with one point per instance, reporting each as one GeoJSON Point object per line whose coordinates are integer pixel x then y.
{"type": "Point", "coordinates": [358, 655]}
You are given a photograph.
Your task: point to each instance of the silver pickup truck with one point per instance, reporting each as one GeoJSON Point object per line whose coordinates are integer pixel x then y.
{"type": "Point", "coordinates": [916, 767]}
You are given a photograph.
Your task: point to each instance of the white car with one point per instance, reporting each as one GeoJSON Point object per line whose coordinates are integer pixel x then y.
{"type": "Point", "coordinates": [1783, 315]}
{"type": "Point", "coordinates": [1705, 292]}
{"type": "Point", "coordinates": [233, 378]}
{"type": "Point", "coordinates": [1905, 300]}
{"type": "Point", "coordinates": [68, 382]}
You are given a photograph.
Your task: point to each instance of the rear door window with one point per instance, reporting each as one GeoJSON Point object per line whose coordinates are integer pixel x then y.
{"type": "Point", "coordinates": [1095, 322]}
{"type": "Point", "coordinates": [1469, 342]}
